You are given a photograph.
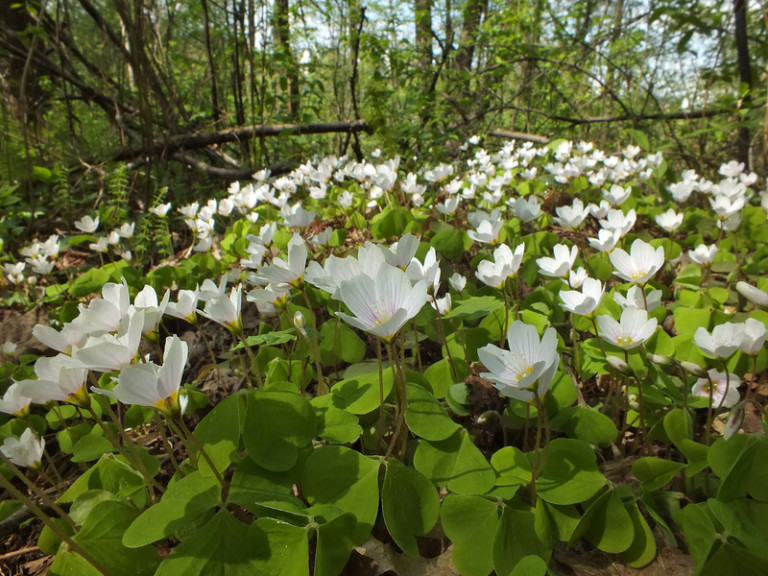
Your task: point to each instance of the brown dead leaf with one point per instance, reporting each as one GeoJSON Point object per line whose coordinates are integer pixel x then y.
{"type": "Point", "coordinates": [386, 559]}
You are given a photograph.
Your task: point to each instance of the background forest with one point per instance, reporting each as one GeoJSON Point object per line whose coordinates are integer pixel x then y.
{"type": "Point", "coordinates": [147, 94]}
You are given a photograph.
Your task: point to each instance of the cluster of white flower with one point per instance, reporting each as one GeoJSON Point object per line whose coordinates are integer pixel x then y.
{"type": "Point", "coordinates": [384, 286]}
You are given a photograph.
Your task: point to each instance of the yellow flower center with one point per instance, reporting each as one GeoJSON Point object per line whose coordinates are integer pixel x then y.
{"type": "Point", "coordinates": [625, 340]}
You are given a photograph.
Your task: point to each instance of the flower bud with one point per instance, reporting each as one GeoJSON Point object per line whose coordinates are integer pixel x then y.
{"type": "Point", "coordinates": [753, 294]}
{"type": "Point", "coordinates": [694, 369]}
{"type": "Point", "coordinates": [661, 359]}
{"type": "Point", "coordinates": [300, 322]}
{"type": "Point", "coordinates": [734, 421]}
{"type": "Point", "coordinates": [619, 365]}
{"type": "Point", "coordinates": [486, 416]}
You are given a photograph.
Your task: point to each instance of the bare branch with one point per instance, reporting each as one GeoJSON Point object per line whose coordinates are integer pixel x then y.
{"type": "Point", "coordinates": [174, 144]}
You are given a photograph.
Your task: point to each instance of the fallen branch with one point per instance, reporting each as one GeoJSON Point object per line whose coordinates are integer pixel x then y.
{"type": "Point", "coordinates": [231, 173]}
{"type": "Point", "coordinates": [13, 522]}
{"type": "Point", "coordinates": [524, 136]}
{"type": "Point", "coordinates": [169, 146]}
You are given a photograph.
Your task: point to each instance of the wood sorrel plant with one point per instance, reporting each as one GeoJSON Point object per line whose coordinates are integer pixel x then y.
{"type": "Point", "coordinates": [370, 414]}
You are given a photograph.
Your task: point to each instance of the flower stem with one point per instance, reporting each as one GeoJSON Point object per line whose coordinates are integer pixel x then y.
{"type": "Point", "coordinates": [443, 341]}
{"type": "Point", "coordinates": [313, 344]}
{"type": "Point", "coordinates": [39, 493]}
{"type": "Point", "coordinates": [252, 363]}
{"type": "Point", "coordinates": [380, 431]}
{"type": "Point", "coordinates": [542, 424]}
{"type": "Point", "coordinates": [168, 447]}
{"type": "Point", "coordinates": [134, 458]}
{"type": "Point", "coordinates": [641, 409]}
{"type": "Point", "coordinates": [399, 438]}
{"type": "Point", "coordinates": [196, 443]}
{"type": "Point", "coordinates": [210, 350]}
{"type": "Point", "coordinates": [506, 316]}
{"type": "Point", "coordinates": [55, 528]}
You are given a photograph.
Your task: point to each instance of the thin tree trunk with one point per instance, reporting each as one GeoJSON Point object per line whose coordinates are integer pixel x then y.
{"type": "Point", "coordinates": [423, 24]}
{"type": "Point", "coordinates": [745, 75]}
{"type": "Point", "coordinates": [282, 31]}
{"type": "Point", "coordinates": [215, 110]}
{"type": "Point", "coordinates": [473, 14]}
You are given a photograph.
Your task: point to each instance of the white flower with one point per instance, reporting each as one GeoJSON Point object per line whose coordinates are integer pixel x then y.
{"type": "Point", "coordinates": [725, 207]}
{"type": "Point", "coordinates": [161, 209]}
{"type": "Point", "coordinates": [731, 169]}
{"type": "Point", "coordinates": [619, 222]}
{"type": "Point", "coordinates": [681, 191]}
{"type": "Point", "coordinates": [606, 240]}
{"type": "Point", "coordinates": [148, 384]}
{"type": "Point", "coordinates": [722, 386]}
{"type": "Point", "coordinates": [56, 380]}
{"type": "Point", "coordinates": [586, 301]}
{"type": "Point", "coordinates": [401, 252]}
{"type": "Point", "coordinates": [449, 206]}
{"type": "Point", "coordinates": [225, 309]}
{"type": "Point", "coordinates": [599, 211]}
{"type": "Point", "coordinates": [322, 238]}
{"type": "Point", "coordinates": [529, 361]}
{"type": "Point", "coordinates": [146, 300]}
{"type": "Point", "coordinates": [429, 271]}
{"type": "Point", "coordinates": [753, 294]}
{"type": "Point", "coordinates": [209, 289]}
{"type": "Point", "coordinates": [282, 271]}
{"type": "Point", "coordinates": [126, 230]}
{"type": "Point", "coordinates": [505, 264]}
{"type": "Point", "coordinates": [631, 331]}
{"type": "Point", "coordinates": [634, 299]}
{"type": "Point", "coordinates": [268, 299]}
{"type": "Point", "coordinates": [27, 451]}
{"type": "Point", "coordinates": [106, 313]}
{"type": "Point", "coordinates": [383, 305]}
{"type": "Point", "coordinates": [526, 209]}
{"type": "Point", "coordinates": [370, 259]}
{"type": "Point", "coordinates": [61, 341]}
{"type": "Point", "coordinates": [703, 254]}
{"type": "Point", "coordinates": [669, 221]}
{"type": "Point", "coordinates": [226, 205]}
{"type": "Point", "coordinates": [576, 277]}
{"type": "Point", "coordinates": [14, 272]}
{"type": "Point", "coordinates": [486, 226]}
{"type": "Point", "coordinates": [617, 195]}
{"type": "Point", "coordinates": [442, 305]}
{"type": "Point", "coordinates": [345, 199]}
{"type": "Point", "coordinates": [457, 282]}
{"type": "Point", "coordinates": [730, 223]}
{"type": "Point", "coordinates": [8, 349]}
{"type": "Point", "coordinates": [561, 264]}
{"type": "Point", "coordinates": [571, 216]}
{"type": "Point", "coordinates": [297, 217]}
{"type": "Point", "coordinates": [722, 342]}
{"type": "Point", "coordinates": [753, 337]}
{"type": "Point", "coordinates": [109, 353]}
{"type": "Point", "coordinates": [101, 244]}
{"type": "Point", "coordinates": [87, 225]}
{"type": "Point", "coordinates": [640, 264]}
{"type": "Point", "coordinates": [14, 401]}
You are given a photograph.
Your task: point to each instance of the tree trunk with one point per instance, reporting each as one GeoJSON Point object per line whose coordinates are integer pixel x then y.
{"type": "Point", "coordinates": [215, 110]}
{"type": "Point", "coordinates": [473, 13]}
{"type": "Point", "coordinates": [423, 24]}
{"type": "Point", "coordinates": [282, 33]}
{"type": "Point", "coordinates": [745, 75]}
